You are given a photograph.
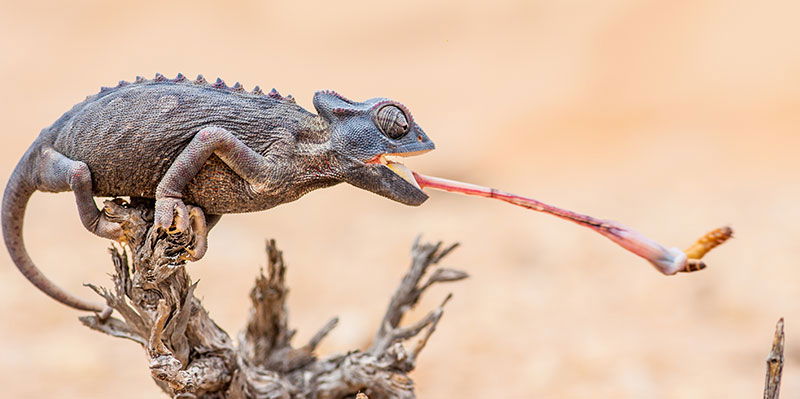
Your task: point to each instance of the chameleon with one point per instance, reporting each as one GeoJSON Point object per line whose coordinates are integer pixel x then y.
{"type": "Point", "coordinates": [225, 150]}
{"type": "Point", "coordinates": [222, 149]}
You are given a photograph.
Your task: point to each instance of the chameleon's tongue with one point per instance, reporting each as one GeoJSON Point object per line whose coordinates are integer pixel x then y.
{"type": "Point", "coordinates": [667, 260]}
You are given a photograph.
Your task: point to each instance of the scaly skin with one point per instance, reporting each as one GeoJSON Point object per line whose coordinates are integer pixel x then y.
{"type": "Point", "coordinates": [209, 145]}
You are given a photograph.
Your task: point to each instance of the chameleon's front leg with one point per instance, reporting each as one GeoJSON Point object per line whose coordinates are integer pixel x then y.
{"type": "Point", "coordinates": [248, 164]}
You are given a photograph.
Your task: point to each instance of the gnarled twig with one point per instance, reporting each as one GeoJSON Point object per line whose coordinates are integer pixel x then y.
{"type": "Point", "coordinates": [190, 356]}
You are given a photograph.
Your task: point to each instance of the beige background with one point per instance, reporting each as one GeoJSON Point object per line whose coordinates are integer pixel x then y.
{"type": "Point", "coordinates": [672, 117]}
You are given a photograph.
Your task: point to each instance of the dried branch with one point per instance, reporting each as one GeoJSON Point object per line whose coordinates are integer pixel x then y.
{"type": "Point", "coordinates": [408, 293]}
{"type": "Point", "coordinates": [772, 385]}
{"type": "Point", "coordinates": [321, 334]}
{"type": "Point", "coordinates": [190, 356]}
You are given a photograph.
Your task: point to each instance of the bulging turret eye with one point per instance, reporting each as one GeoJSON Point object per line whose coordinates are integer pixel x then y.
{"type": "Point", "coordinates": [392, 121]}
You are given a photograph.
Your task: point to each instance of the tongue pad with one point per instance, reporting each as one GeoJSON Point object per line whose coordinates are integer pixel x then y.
{"type": "Point", "coordinates": [404, 172]}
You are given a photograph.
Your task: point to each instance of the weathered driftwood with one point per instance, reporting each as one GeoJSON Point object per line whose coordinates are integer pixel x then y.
{"type": "Point", "coordinates": [191, 357]}
{"type": "Point", "coordinates": [772, 385]}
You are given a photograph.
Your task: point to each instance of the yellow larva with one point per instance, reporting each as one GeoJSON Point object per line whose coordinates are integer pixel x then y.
{"type": "Point", "coordinates": [708, 242]}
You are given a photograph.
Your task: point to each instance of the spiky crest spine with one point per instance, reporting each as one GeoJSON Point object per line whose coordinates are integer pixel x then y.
{"type": "Point", "coordinates": [219, 84]}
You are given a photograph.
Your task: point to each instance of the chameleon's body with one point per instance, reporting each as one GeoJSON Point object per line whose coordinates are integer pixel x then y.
{"type": "Point", "coordinates": [209, 145]}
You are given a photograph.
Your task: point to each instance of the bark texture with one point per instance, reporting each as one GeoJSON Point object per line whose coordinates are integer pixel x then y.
{"type": "Point", "coordinates": [192, 357]}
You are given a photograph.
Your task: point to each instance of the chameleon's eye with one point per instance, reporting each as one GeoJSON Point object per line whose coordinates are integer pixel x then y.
{"type": "Point", "coordinates": [392, 121]}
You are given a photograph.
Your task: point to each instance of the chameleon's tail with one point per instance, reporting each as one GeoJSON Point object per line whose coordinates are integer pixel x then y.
{"type": "Point", "coordinates": [18, 191]}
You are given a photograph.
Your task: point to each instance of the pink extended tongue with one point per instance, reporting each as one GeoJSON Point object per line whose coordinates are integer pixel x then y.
{"type": "Point", "coordinates": [667, 260]}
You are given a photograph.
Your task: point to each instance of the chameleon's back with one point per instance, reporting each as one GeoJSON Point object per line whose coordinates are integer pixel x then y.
{"type": "Point", "coordinates": [123, 140]}
{"type": "Point", "coordinates": [129, 135]}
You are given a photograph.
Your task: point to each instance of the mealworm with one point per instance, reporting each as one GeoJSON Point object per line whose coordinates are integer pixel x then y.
{"type": "Point", "coordinates": [709, 241]}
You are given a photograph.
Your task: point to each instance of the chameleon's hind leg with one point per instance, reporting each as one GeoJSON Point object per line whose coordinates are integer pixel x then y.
{"type": "Point", "coordinates": [58, 173]}
{"type": "Point", "coordinates": [248, 164]}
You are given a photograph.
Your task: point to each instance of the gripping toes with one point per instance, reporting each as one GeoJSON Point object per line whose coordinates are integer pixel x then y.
{"type": "Point", "coordinates": [171, 215]}
{"type": "Point", "coordinates": [197, 220]}
{"type": "Point", "coordinates": [106, 227]}
{"type": "Point", "coordinates": [175, 217]}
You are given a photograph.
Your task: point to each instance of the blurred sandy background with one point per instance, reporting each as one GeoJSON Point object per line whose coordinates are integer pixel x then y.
{"type": "Point", "coordinates": [672, 117]}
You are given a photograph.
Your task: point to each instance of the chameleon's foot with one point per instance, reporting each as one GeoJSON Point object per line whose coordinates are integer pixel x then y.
{"type": "Point", "coordinates": [175, 217]}
{"type": "Point", "coordinates": [197, 220]}
{"type": "Point", "coordinates": [171, 215]}
{"type": "Point", "coordinates": [106, 226]}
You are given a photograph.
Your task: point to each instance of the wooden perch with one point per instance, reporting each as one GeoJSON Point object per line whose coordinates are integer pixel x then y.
{"type": "Point", "coordinates": [192, 357]}
{"type": "Point", "coordinates": [772, 385]}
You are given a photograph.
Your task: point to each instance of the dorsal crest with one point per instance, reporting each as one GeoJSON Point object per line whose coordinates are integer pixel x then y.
{"type": "Point", "coordinates": [201, 81]}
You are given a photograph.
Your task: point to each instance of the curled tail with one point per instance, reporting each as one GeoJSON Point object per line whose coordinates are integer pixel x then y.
{"type": "Point", "coordinates": [18, 191]}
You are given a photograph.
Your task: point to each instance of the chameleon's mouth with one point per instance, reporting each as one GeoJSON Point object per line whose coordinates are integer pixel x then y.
{"type": "Point", "coordinates": [397, 167]}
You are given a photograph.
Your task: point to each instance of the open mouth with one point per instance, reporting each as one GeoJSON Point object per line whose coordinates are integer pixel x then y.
{"type": "Point", "coordinates": [397, 167]}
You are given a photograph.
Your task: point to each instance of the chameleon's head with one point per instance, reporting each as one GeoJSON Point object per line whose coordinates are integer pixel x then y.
{"type": "Point", "coordinates": [362, 134]}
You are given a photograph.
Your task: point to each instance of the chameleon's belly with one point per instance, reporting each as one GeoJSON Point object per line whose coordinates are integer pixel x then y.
{"type": "Point", "coordinates": [219, 190]}
{"type": "Point", "coordinates": [216, 188]}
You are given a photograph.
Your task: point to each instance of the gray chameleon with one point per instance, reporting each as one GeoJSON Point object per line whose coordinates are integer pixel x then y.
{"type": "Point", "coordinates": [219, 148]}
